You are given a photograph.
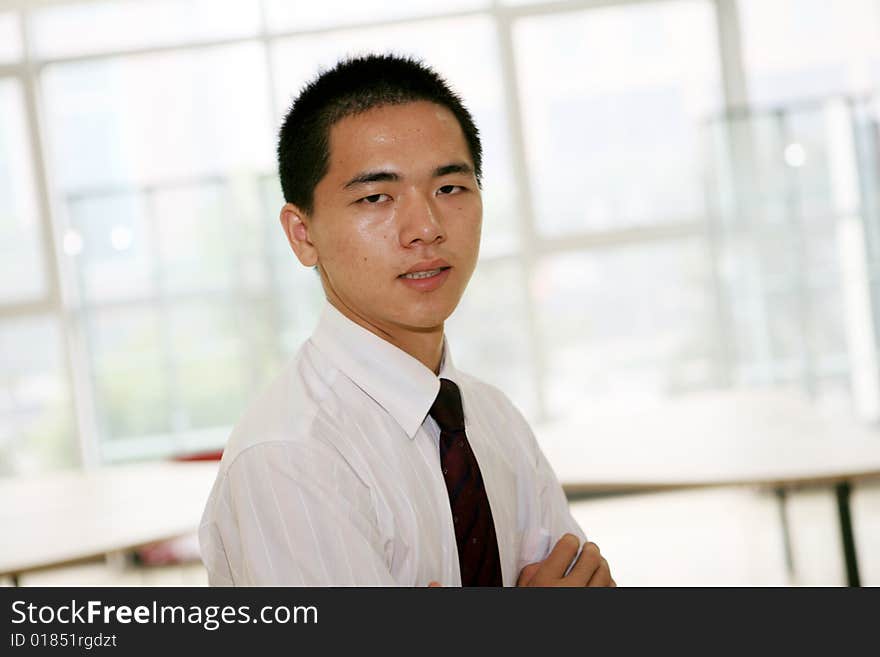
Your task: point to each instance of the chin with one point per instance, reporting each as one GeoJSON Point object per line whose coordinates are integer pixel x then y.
{"type": "Point", "coordinates": [426, 323]}
{"type": "Point", "coordinates": [427, 318]}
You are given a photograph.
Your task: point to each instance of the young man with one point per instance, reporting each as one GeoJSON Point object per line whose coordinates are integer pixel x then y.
{"type": "Point", "coordinates": [372, 460]}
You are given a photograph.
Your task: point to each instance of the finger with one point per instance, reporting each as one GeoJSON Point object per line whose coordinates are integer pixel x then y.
{"type": "Point", "coordinates": [602, 576]}
{"type": "Point", "coordinates": [587, 564]}
{"type": "Point", "coordinates": [434, 585]}
{"type": "Point", "coordinates": [557, 562]}
{"type": "Point", "coordinates": [613, 583]}
{"type": "Point", "coordinates": [527, 574]}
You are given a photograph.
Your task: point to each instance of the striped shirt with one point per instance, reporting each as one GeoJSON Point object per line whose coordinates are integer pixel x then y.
{"type": "Point", "coordinates": [332, 476]}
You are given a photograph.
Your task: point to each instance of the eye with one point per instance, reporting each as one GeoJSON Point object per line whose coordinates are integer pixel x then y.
{"type": "Point", "coordinates": [446, 190]}
{"type": "Point", "coordinates": [374, 199]}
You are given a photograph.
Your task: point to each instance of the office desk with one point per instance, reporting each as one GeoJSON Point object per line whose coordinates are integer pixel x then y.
{"type": "Point", "coordinates": [772, 439]}
{"type": "Point", "coordinates": [67, 517]}
{"type": "Point", "coordinates": [769, 439]}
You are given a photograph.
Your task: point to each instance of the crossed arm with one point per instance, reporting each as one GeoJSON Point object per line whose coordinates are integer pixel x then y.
{"type": "Point", "coordinates": [275, 526]}
{"type": "Point", "coordinates": [590, 569]}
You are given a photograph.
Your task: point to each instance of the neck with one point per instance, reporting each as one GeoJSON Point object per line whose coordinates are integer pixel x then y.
{"type": "Point", "coordinates": [425, 345]}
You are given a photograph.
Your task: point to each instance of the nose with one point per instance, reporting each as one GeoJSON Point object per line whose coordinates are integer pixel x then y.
{"type": "Point", "coordinates": [420, 221]}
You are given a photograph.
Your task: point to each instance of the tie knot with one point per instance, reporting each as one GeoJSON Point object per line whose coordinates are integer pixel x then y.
{"type": "Point", "coordinates": [446, 409]}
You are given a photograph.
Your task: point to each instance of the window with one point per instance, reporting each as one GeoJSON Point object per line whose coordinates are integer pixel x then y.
{"type": "Point", "coordinates": [95, 27]}
{"type": "Point", "coordinates": [638, 241]}
{"type": "Point", "coordinates": [36, 418]}
{"type": "Point", "coordinates": [612, 100]}
{"type": "Point", "coordinates": [157, 157]}
{"type": "Point", "coordinates": [794, 239]}
{"type": "Point", "coordinates": [282, 15]}
{"type": "Point", "coordinates": [802, 49]}
{"type": "Point", "coordinates": [10, 38]}
{"type": "Point", "coordinates": [23, 275]}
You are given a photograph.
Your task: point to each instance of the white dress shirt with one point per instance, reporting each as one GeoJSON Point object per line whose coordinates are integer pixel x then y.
{"type": "Point", "coordinates": [332, 477]}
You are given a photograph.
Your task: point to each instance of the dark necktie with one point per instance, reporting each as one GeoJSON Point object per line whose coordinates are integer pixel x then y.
{"type": "Point", "coordinates": [471, 515]}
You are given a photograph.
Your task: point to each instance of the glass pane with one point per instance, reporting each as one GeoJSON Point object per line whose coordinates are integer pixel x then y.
{"type": "Point", "coordinates": [130, 371]}
{"type": "Point", "coordinates": [195, 248]}
{"type": "Point", "coordinates": [797, 49]}
{"type": "Point", "coordinates": [626, 326]}
{"type": "Point", "coordinates": [22, 276]}
{"type": "Point", "coordinates": [473, 72]}
{"type": "Point", "coordinates": [114, 257]}
{"type": "Point", "coordinates": [10, 38]}
{"type": "Point", "coordinates": [297, 296]}
{"type": "Point", "coordinates": [255, 225]}
{"type": "Point", "coordinates": [260, 334]}
{"type": "Point", "coordinates": [300, 301]}
{"type": "Point", "coordinates": [488, 333]}
{"type": "Point", "coordinates": [36, 417]}
{"type": "Point", "coordinates": [93, 27]}
{"type": "Point", "coordinates": [283, 15]}
{"type": "Point", "coordinates": [209, 365]}
{"type": "Point", "coordinates": [612, 135]}
{"type": "Point", "coordinates": [790, 336]}
{"type": "Point", "coordinates": [158, 118]}
{"type": "Point", "coordinates": [299, 306]}
{"type": "Point", "coordinates": [780, 255]}
{"type": "Point", "coordinates": [272, 200]}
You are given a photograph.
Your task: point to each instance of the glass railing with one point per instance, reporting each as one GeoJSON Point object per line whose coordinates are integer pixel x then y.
{"type": "Point", "coordinates": [794, 226]}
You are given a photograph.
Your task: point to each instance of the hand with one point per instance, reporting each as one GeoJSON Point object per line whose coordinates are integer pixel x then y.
{"type": "Point", "coordinates": [591, 569]}
{"type": "Point", "coordinates": [434, 585]}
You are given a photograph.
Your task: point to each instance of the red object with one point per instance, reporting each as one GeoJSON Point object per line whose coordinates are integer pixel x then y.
{"type": "Point", "coordinates": [201, 456]}
{"type": "Point", "coordinates": [178, 550]}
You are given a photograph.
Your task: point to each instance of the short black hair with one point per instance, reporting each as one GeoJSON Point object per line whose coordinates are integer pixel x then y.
{"type": "Point", "coordinates": [353, 86]}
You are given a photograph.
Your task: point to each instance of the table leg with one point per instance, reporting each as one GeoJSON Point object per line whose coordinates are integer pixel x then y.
{"type": "Point", "coordinates": [846, 534]}
{"type": "Point", "coordinates": [781, 497]}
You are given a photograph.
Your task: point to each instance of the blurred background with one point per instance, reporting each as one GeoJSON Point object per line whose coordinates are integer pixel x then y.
{"type": "Point", "coordinates": [680, 196]}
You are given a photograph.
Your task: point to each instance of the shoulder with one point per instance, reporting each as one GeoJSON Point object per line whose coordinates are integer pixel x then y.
{"type": "Point", "coordinates": [489, 400]}
{"type": "Point", "coordinates": [298, 412]}
{"type": "Point", "coordinates": [489, 407]}
{"type": "Point", "coordinates": [287, 439]}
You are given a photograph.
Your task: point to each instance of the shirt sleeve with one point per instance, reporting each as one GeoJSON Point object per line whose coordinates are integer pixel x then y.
{"type": "Point", "coordinates": [549, 515]}
{"type": "Point", "coordinates": [555, 510]}
{"type": "Point", "coordinates": [294, 514]}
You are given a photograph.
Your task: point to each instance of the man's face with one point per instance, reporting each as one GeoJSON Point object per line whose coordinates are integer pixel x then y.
{"type": "Point", "coordinates": [399, 197]}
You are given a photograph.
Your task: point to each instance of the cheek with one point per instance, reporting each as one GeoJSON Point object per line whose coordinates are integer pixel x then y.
{"type": "Point", "coordinates": [363, 251]}
{"type": "Point", "coordinates": [473, 226]}
{"type": "Point", "coordinates": [373, 251]}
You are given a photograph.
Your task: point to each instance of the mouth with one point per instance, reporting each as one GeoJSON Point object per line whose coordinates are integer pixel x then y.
{"type": "Point", "coordinates": [426, 277]}
{"type": "Point", "coordinates": [428, 273]}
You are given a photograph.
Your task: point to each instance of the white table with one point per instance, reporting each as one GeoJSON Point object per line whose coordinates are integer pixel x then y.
{"type": "Point", "coordinates": [67, 517]}
{"type": "Point", "coordinates": [772, 438]}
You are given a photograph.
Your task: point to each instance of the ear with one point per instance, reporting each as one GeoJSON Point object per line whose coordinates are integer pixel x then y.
{"type": "Point", "coordinates": [294, 221]}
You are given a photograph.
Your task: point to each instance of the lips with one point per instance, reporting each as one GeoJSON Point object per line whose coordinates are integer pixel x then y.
{"type": "Point", "coordinates": [425, 269]}
{"type": "Point", "coordinates": [423, 274]}
{"type": "Point", "coordinates": [426, 281]}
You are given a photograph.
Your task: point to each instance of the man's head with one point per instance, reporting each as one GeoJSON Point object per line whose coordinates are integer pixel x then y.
{"type": "Point", "coordinates": [380, 166]}
{"type": "Point", "coordinates": [352, 87]}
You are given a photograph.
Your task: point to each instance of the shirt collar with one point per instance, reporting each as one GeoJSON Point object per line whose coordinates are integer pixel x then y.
{"type": "Point", "coordinates": [399, 383]}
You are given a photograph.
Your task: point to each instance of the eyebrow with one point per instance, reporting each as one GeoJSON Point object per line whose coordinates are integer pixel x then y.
{"type": "Point", "coordinates": [367, 177]}
{"type": "Point", "coordinates": [455, 167]}
{"type": "Point", "coordinates": [370, 177]}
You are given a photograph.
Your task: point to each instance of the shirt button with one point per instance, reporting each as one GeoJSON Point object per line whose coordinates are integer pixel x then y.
{"type": "Point", "coordinates": [454, 518]}
{"type": "Point", "coordinates": [445, 470]}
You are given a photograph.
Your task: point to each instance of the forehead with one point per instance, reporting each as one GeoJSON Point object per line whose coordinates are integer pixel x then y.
{"type": "Point", "coordinates": [406, 135]}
